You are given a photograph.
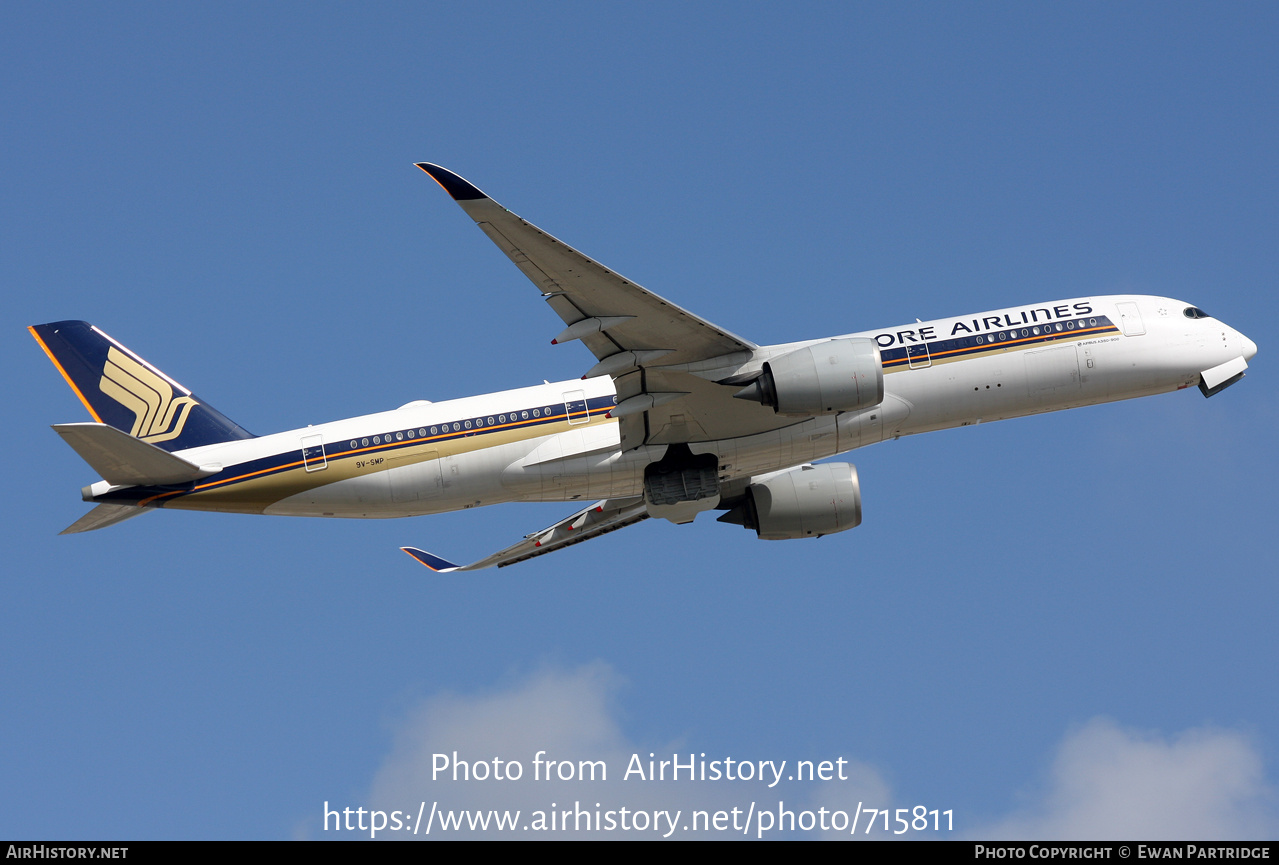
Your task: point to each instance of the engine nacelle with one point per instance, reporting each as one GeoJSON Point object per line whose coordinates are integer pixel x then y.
{"type": "Point", "coordinates": [806, 502]}
{"type": "Point", "coordinates": [826, 378]}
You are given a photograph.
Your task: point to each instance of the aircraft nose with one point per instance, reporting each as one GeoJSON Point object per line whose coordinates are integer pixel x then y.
{"type": "Point", "coordinates": [1249, 347]}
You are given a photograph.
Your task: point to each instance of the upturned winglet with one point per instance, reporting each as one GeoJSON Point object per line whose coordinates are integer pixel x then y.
{"type": "Point", "coordinates": [454, 185]}
{"type": "Point", "coordinates": [435, 563]}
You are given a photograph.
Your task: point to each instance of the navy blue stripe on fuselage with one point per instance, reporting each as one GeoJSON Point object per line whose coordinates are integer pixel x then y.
{"type": "Point", "coordinates": [380, 443]}
{"type": "Point", "coordinates": [923, 353]}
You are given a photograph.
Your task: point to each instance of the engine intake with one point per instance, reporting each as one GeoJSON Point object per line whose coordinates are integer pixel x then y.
{"type": "Point", "coordinates": [806, 502]}
{"type": "Point", "coordinates": [826, 378]}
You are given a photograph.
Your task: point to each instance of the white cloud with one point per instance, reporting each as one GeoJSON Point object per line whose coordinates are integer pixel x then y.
{"type": "Point", "coordinates": [567, 714]}
{"type": "Point", "coordinates": [865, 787]}
{"type": "Point", "coordinates": [1108, 783]}
{"type": "Point", "coordinates": [1105, 783]}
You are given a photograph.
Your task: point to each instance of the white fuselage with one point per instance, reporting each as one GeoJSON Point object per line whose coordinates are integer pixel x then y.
{"type": "Point", "coordinates": [555, 442]}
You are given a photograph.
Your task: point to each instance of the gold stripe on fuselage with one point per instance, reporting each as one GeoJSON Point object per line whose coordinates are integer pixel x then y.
{"type": "Point", "coordinates": [1021, 344]}
{"type": "Point", "coordinates": [254, 491]}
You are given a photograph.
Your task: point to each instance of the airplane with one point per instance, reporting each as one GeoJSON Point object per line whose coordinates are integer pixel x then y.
{"type": "Point", "coordinates": [676, 417]}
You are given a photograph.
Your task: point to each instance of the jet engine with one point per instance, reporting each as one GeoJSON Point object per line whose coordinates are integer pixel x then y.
{"type": "Point", "coordinates": [805, 502]}
{"type": "Point", "coordinates": [826, 378]}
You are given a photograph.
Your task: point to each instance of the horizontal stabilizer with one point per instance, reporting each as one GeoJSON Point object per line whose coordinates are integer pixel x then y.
{"type": "Point", "coordinates": [123, 460]}
{"type": "Point", "coordinates": [103, 516]}
{"type": "Point", "coordinates": [591, 522]}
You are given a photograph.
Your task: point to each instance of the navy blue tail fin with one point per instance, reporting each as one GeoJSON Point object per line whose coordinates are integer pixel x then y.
{"type": "Point", "coordinates": [123, 390]}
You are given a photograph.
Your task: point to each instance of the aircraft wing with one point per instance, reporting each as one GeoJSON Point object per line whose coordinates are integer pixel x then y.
{"type": "Point", "coordinates": [627, 316]}
{"type": "Point", "coordinates": [638, 337]}
{"type": "Point", "coordinates": [599, 519]}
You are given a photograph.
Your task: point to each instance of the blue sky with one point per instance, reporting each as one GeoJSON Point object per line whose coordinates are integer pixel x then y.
{"type": "Point", "coordinates": [1039, 624]}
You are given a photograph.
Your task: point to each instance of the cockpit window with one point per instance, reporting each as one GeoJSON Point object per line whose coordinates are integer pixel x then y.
{"type": "Point", "coordinates": [1194, 312]}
